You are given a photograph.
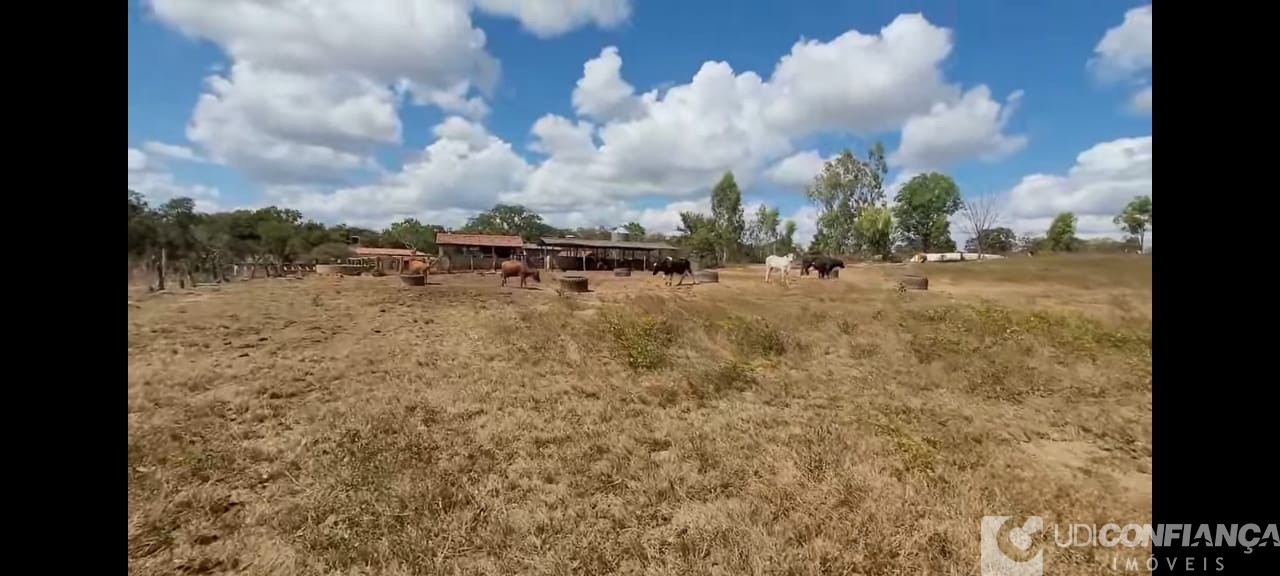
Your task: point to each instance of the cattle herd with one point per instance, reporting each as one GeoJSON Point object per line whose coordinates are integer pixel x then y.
{"type": "Point", "coordinates": [672, 267]}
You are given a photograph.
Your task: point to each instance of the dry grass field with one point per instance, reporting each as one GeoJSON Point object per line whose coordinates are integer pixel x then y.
{"type": "Point", "coordinates": [357, 426]}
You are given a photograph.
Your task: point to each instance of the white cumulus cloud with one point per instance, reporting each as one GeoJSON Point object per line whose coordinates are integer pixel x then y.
{"type": "Point", "coordinates": [315, 89]}
{"type": "Point", "coordinates": [315, 84]}
{"type": "Point", "coordinates": [173, 151]}
{"type": "Point", "coordinates": [464, 170]}
{"type": "Point", "coordinates": [1124, 53]}
{"type": "Point", "coordinates": [552, 17]}
{"type": "Point", "coordinates": [281, 127]}
{"type": "Point", "coordinates": [1104, 178]}
{"type": "Point", "coordinates": [952, 131]}
{"type": "Point", "coordinates": [797, 170]}
{"type": "Point", "coordinates": [601, 93]}
{"type": "Point", "coordinates": [150, 178]}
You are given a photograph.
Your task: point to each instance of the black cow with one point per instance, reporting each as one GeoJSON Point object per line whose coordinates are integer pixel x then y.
{"type": "Point", "coordinates": [805, 263]}
{"type": "Point", "coordinates": [672, 266]}
{"type": "Point", "coordinates": [825, 264]}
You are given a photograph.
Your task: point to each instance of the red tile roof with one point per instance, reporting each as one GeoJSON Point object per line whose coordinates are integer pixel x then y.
{"type": "Point", "coordinates": [450, 239]}
{"type": "Point", "coordinates": [395, 252]}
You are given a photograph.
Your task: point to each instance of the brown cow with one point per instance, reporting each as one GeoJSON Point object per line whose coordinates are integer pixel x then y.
{"type": "Point", "coordinates": [416, 267]}
{"type": "Point", "coordinates": [517, 268]}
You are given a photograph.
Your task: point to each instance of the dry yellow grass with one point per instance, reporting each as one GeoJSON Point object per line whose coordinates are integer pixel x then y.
{"type": "Point", "coordinates": [356, 426]}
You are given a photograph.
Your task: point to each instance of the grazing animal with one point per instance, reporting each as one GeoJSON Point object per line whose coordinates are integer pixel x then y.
{"type": "Point", "coordinates": [416, 267]}
{"type": "Point", "coordinates": [780, 263]}
{"type": "Point", "coordinates": [673, 266]}
{"type": "Point", "coordinates": [805, 263]}
{"type": "Point", "coordinates": [517, 268]}
{"type": "Point", "coordinates": [825, 264]}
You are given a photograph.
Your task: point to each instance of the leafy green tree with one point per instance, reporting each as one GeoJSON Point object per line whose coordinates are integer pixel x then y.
{"type": "Point", "coordinates": [367, 237]}
{"type": "Point", "coordinates": [699, 235]}
{"type": "Point", "coordinates": [331, 252]}
{"type": "Point", "coordinates": [845, 185]}
{"type": "Point", "coordinates": [142, 226]}
{"type": "Point", "coordinates": [923, 206]}
{"type": "Point", "coordinates": [175, 236]}
{"type": "Point", "coordinates": [635, 231]}
{"type": "Point", "coordinates": [1109, 245]}
{"type": "Point", "coordinates": [414, 235]}
{"type": "Point", "coordinates": [1061, 236]}
{"type": "Point", "coordinates": [874, 228]}
{"type": "Point", "coordinates": [276, 230]}
{"type": "Point", "coordinates": [993, 241]}
{"type": "Point", "coordinates": [177, 219]}
{"type": "Point", "coordinates": [726, 211]}
{"type": "Point", "coordinates": [940, 235]}
{"type": "Point", "coordinates": [311, 234]}
{"type": "Point", "coordinates": [213, 247]}
{"type": "Point", "coordinates": [1135, 219]}
{"type": "Point", "coordinates": [787, 239]}
{"type": "Point", "coordinates": [512, 219]}
{"type": "Point", "coordinates": [762, 233]}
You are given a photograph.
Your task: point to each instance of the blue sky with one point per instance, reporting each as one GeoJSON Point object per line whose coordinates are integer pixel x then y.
{"type": "Point", "coordinates": [361, 158]}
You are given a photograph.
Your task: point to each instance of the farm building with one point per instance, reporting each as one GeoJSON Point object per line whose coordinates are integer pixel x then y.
{"type": "Point", "coordinates": [476, 251]}
{"type": "Point", "coordinates": [537, 255]}
{"type": "Point", "coordinates": [388, 259]}
{"type": "Point", "coordinates": [582, 254]}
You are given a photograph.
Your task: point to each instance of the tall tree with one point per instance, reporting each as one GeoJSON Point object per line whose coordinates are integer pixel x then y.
{"type": "Point", "coordinates": [787, 239]}
{"type": "Point", "coordinates": [726, 211]}
{"type": "Point", "coordinates": [998, 240]}
{"type": "Point", "coordinates": [763, 231]}
{"type": "Point", "coordinates": [981, 215]}
{"type": "Point", "coordinates": [1061, 236]}
{"type": "Point", "coordinates": [414, 234]}
{"type": "Point", "coordinates": [1135, 219]}
{"type": "Point", "coordinates": [142, 226]}
{"type": "Point", "coordinates": [370, 238]}
{"type": "Point", "coordinates": [845, 185]}
{"type": "Point", "coordinates": [635, 231]}
{"type": "Point", "coordinates": [331, 252]}
{"type": "Point", "coordinates": [922, 208]}
{"type": "Point", "coordinates": [874, 228]}
{"type": "Point", "coordinates": [175, 234]}
{"type": "Point", "coordinates": [940, 236]}
{"type": "Point", "coordinates": [700, 235]}
{"type": "Point", "coordinates": [512, 219]}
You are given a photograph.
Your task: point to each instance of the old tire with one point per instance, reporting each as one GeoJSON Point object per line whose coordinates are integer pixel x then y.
{"type": "Point", "coordinates": [915, 282]}
{"type": "Point", "coordinates": [622, 272]}
{"type": "Point", "coordinates": [573, 284]}
{"type": "Point", "coordinates": [414, 280]}
{"type": "Point", "coordinates": [706, 276]}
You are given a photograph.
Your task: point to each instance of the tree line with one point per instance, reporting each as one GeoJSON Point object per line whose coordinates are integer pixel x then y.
{"type": "Point", "coordinates": [725, 235]}
{"type": "Point", "coordinates": [174, 238]}
{"type": "Point", "coordinates": [854, 220]}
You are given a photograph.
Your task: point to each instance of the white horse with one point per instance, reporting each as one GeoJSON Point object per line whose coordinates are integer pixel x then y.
{"type": "Point", "coordinates": [780, 263]}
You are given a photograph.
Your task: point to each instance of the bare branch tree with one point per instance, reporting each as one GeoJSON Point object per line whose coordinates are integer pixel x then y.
{"type": "Point", "coordinates": [982, 213]}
